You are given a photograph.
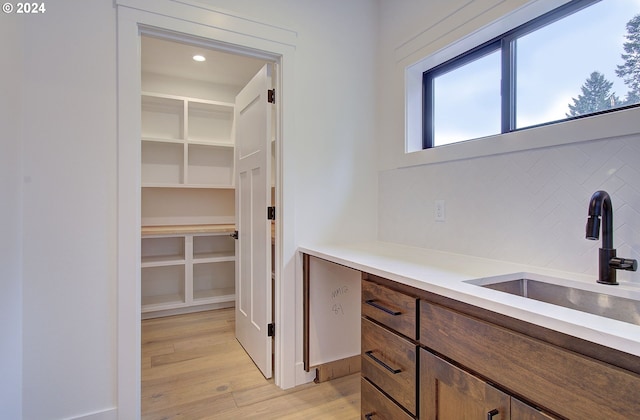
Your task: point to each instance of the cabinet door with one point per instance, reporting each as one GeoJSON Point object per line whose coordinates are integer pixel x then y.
{"type": "Point", "coordinates": [449, 393]}
{"type": "Point", "coordinates": [522, 411]}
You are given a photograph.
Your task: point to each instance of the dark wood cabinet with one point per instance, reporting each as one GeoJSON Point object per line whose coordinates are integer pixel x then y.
{"type": "Point", "coordinates": [388, 352]}
{"type": "Point", "coordinates": [450, 393]}
{"type": "Point", "coordinates": [522, 411]}
{"type": "Point", "coordinates": [431, 357]}
{"type": "Point", "coordinates": [389, 361]}
{"type": "Point", "coordinates": [562, 382]}
{"type": "Point", "coordinates": [375, 405]}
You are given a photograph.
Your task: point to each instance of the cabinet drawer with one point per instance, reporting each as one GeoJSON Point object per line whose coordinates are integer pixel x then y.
{"type": "Point", "coordinates": [396, 310]}
{"type": "Point", "coordinates": [389, 361]}
{"type": "Point", "coordinates": [376, 406]}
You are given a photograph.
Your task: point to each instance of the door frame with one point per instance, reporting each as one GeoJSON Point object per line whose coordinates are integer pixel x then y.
{"type": "Point", "coordinates": [197, 23]}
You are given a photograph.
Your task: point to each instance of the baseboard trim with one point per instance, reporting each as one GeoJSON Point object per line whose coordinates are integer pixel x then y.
{"type": "Point", "coordinates": [337, 369]}
{"type": "Point", "coordinates": [108, 414]}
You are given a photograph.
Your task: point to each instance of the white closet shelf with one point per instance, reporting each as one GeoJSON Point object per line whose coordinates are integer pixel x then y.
{"type": "Point", "coordinates": [187, 98]}
{"type": "Point", "coordinates": [207, 257]}
{"type": "Point", "coordinates": [163, 302]}
{"type": "Point", "coordinates": [214, 295]}
{"type": "Point", "coordinates": [219, 143]}
{"type": "Point", "coordinates": [162, 140]}
{"type": "Point", "coordinates": [161, 261]}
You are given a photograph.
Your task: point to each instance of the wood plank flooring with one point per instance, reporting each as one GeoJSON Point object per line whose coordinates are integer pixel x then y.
{"type": "Point", "coordinates": [194, 368]}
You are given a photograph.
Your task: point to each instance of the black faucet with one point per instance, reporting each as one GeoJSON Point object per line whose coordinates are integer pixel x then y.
{"type": "Point", "coordinates": [600, 208]}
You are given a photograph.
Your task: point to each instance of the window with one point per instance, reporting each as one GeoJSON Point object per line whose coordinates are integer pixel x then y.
{"type": "Point", "coordinates": [580, 59]}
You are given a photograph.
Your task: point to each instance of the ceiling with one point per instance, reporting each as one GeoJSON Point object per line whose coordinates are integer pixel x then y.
{"type": "Point", "coordinates": [170, 58]}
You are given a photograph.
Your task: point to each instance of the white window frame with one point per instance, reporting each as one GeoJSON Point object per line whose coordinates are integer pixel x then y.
{"type": "Point", "coordinates": [611, 125]}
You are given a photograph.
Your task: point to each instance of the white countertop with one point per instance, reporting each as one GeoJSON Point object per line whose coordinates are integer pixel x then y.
{"type": "Point", "coordinates": [445, 274]}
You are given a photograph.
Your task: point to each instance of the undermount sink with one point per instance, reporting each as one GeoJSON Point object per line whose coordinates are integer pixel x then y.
{"type": "Point", "coordinates": [617, 303]}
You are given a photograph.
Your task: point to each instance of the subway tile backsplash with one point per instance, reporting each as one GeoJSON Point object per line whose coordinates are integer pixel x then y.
{"type": "Point", "coordinates": [528, 207]}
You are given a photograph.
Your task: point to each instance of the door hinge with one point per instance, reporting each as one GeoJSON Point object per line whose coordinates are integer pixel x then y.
{"type": "Point", "coordinates": [271, 213]}
{"type": "Point", "coordinates": [271, 330]}
{"type": "Point", "coordinates": [234, 235]}
{"type": "Point", "coordinates": [271, 96]}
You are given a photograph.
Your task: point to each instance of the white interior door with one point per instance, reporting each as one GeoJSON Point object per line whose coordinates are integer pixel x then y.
{"type": "Point", "coordinates": [253, 185]}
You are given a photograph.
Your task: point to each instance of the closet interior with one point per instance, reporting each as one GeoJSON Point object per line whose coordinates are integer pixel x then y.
{"type": "Point", "coordinates": [188, 201]}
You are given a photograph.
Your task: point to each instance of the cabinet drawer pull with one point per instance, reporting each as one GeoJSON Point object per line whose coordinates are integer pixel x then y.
{"type": "Point", "coordinates": [373, 303]}
{"type": "Point", "coordinates": [381, 363]}
{"type": "Point", "coordinates": [492, 413]}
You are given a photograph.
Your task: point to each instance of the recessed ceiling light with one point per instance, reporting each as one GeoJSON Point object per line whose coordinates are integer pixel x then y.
{"type": "Point", "coordinates": [199, 57]}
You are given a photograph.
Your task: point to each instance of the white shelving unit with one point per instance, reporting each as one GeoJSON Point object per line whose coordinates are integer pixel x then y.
{"type": "Point", "coordinates": [186, 142]}
{"type": "Point", "coordinates": [183, 271]}
{"type": "Point", "coordinates": [188, 204]}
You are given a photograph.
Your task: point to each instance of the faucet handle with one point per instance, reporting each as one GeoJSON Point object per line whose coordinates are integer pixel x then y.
{"type": "Point", "coordinates": [626, 264]}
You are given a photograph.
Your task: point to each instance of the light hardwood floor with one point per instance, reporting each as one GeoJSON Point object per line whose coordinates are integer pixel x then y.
{"type": "Point", "coordinates": [194, 368]}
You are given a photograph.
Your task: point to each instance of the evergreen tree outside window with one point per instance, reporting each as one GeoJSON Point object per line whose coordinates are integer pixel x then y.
{"type": "Point", "coordinates": [596, 96]}
{"type": "Point", "coordinates": [630, 70]}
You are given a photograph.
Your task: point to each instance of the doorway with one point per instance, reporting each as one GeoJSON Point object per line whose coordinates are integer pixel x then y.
{"type": "Point", "coordinates": [250, 37]}
{"type": "Point", "coordinates": [188, 175]}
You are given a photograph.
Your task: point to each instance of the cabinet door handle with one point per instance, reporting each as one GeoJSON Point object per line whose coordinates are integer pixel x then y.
{"type": "Point", "coordinates": [369, 415]}
{"type": "Point", "coordinates": [373, 303]}
{"type": "Point", "coordinates": [492, 413]}
{"type": "Point", "coordinates": [381, 363]}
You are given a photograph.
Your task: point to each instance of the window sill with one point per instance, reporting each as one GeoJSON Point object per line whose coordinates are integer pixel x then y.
{"type": "Point", "coordinates": [598, 127]}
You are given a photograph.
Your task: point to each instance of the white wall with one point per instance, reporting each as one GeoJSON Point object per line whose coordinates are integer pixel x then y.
{"type": "Point", "coordinates": [528, 206]}
{"type": "Point", "coordinates": [10, 218]}
{"type": "Point", "coordinates": [69, 253]}
{"type": "Point", "coordinates": [68, 88]}
{"type": "Point", "coordinates": [336, 86]}
{"type": "Point", "coordinates": [334, 106]}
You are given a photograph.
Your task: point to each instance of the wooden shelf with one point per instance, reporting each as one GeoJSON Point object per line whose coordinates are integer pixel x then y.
{"type": "Point", "coordinates": [171, 185]}
{"type": "Point", "coordinates": [184, 229]}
